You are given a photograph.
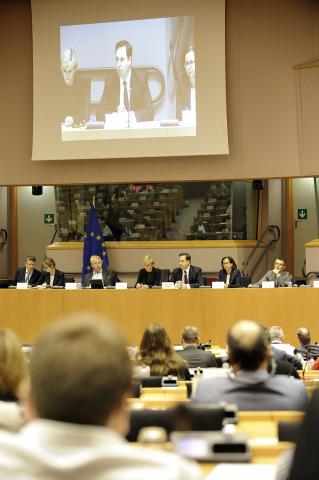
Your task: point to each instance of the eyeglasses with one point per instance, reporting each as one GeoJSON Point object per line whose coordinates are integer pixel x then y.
{"type": "Point", "coordinates": [189, 62]}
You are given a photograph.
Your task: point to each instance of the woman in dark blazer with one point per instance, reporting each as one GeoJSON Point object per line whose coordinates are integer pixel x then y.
{"type": "Point", "coordinates": [149, 276]}
{"type": "Point", "coordinates": [51, 276]}
{"type": "Point", "coordinates": [229, 274]}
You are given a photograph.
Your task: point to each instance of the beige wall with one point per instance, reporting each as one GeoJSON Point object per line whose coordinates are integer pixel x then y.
{"type": "Point", "coordinates": [264, 40]}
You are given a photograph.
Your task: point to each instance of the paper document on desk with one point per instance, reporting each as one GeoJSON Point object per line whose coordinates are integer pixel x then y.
{"type": "Point", "coordinates": [238, 471]}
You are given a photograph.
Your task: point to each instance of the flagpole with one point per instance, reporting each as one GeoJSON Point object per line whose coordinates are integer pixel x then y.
{"type": "Point", "coordinates": [93, 201]}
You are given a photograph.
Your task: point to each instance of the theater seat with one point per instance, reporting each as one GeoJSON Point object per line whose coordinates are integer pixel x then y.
{"type": "Point", "coordinates": [180, 418]}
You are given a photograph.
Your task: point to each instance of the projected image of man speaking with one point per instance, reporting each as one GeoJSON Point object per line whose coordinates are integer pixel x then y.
{"type": "Point", "coordinates": [126, 94]}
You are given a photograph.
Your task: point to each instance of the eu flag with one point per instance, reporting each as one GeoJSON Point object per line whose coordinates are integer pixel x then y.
{"type": "Point", "coordinates": [93, 243]}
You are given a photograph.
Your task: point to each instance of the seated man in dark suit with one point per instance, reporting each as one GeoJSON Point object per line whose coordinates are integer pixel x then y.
{"type": "Point", "coordinates": [108, 276]}
{"type": "Point", "coordinates": [194, 355]}
{"type": "Point", "coordinates": [187, 276]}
{"type": "Point", "coordinates": [249, 385]}
{"type": "Point", "coordinates": [126, 93]}
{"type": "Point", "coordinates": [27, 274]}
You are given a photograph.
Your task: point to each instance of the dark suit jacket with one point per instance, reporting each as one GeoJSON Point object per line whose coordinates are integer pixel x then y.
{"type": "Point", "coordinates": [149, 278]}
{"type": "Point", "coordinates": [20, 276]}
{"type": "Point", "coordinates": [110, 277]}
{"type": "Point", "coordinates": [58, 281]}
{"type": "Point", "coordinates": [234, 281]}
{"type": "Point", "coordinates": [141, 101]}
{"type": "Point", "coordinates": [197, 357]}
{"type": "Point", "coordinates": [195, 276]}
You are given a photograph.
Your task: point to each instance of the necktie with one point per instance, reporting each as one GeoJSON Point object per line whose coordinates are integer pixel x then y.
{"type": "Point", "coordinates": [126, 104]}
{"type": "Point", "coordinates": [185, 278]}
{"type": "Point", "coordinates": [27, 277]}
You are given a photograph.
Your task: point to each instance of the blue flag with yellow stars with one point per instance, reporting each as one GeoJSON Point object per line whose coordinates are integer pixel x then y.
{"type": "Point", "coordinates": [93, 243]}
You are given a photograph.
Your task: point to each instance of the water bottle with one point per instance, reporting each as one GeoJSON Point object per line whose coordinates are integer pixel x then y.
{"type": "Point", "coordinates": [290, 284]}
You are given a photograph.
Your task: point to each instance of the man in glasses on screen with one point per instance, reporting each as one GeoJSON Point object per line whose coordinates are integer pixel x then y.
{"type": "Point", "coordinates": [126, 93]}
{"type": "Point", "coordinates": [187, 88]}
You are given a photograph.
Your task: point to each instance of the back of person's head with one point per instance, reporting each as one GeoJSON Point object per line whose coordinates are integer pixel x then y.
{"type": "Point", "coordinates": [303, 335]}
{"type": "Point", "coordinates": [190, 334]}
{"type": "Point", "coordinates": [248, 345]}
{"type": "Point", "coordinates": [13, 366]}
{"type": "Point", "coordinates": [155, 338]}
{"type": "Point", "coordinates": [80, 372]}
{"type": "Point", "coordinates": [276, 333]}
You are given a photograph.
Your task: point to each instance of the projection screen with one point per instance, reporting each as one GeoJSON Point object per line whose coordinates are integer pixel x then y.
{"type": "Point", "coordinates": [128, 79]}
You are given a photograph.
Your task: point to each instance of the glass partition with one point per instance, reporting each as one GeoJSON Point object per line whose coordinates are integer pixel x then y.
{"type": "Point", "coordinates": [161, 211]}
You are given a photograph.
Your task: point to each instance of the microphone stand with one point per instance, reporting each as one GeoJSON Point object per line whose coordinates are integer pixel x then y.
{"type": "Point", "coordinates": [56, 229]}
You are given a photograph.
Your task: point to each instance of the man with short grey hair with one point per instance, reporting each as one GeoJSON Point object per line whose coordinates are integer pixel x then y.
{"type": "Point", "coordinates": [80, 379]}
{"type": "Point", "coordinates": [248, 384]}
{"type": "Point", "coordinates": [194, 355]}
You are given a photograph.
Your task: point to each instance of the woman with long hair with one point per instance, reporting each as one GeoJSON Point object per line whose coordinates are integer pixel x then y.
{"type": "Point", "coordinates": [156, 351]}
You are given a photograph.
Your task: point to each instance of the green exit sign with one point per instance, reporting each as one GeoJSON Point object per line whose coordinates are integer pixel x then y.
{"type": "Point", "coordinates": [302, 213]}
{"type": "Point", "coordinates": [49, 218]}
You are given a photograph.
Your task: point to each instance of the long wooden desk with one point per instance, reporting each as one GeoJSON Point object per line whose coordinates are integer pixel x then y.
{"type": "Point", "coordinates": [28, 312]}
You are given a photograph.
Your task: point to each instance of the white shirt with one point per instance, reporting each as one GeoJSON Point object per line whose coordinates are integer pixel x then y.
{"type": "Point", "coordinates": [48, 450]}
{"type": "Point", "coordinates": [286, 347]}
{"type": "Point", "coordinates": [97, 275]}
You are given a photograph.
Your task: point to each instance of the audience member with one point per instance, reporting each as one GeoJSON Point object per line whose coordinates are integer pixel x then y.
{"type": "Point", "coordinates": [149, 276]}
{"type": "Point", "coordinates": [187, 276]}
{"type": "Point", "coordinates": [157, 352]}
{"type": "Point", "coordinates": [51, 276]}
{"type": "Point", "coordinates": [80, 378]}
{"type": "Point", "coordinates": [27, 274]}
{"type": "Point", "coordinates": [108, 276]}
{"type": "Point", "coordinates": [277, 340]}
{"type": "Point", "coordinates": [302, 462]}
{"type": "Point", "coordinates": [191, 351]}
{"type": "Point", "coordinates": [229, 274]}
{"type": "Point", "coordinates": [249, 385]}
{"type": "Point", "coordinates": [306, 348]}
{"type": "Point", "coordinates": [278, 275]}
{"type": "Point", "coordinates": [13, 381]}
{"type": "Point", "coordinates": [126, 93]}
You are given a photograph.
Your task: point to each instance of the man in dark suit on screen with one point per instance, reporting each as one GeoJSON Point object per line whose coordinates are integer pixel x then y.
{"type": "Point", "coordinates": [27, 274]}
{"type": "Point", "coordinates": [187, 276]}
{"type": "Point", "coordinates": [126, 93]}
{"type": "Point", "coordinates": [194, 355]}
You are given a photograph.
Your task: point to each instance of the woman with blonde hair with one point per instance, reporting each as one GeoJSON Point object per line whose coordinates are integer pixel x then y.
{"type": "Point", "coordinates": [156, 351]}
{"type": "Point", "coordinates": [149, 276]}
{"type": "Point", "coordinates": [13, 381]}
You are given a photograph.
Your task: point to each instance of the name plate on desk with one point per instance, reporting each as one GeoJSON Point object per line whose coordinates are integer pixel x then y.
{"type": "Point", "coordinates": [22, 285]}
{"type": "Point", "coordinates": [121, 286]}
{"type": "Point", "coordinates": [218, 285]}
{"type": "Point", "coordinates": [168, 285]}
{"type": "Point", "coordinates": [268, 285]}
{"type": "Point", "coordinates": [316, 284]}
{"type": "Point", "coordinates": [70, 286]}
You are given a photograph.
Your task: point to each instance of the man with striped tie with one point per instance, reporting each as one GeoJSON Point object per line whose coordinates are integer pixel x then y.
{"type": "Point", "coordinates": [126, 93]}
{"type": "Point", "coordinates": [187, 276]}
